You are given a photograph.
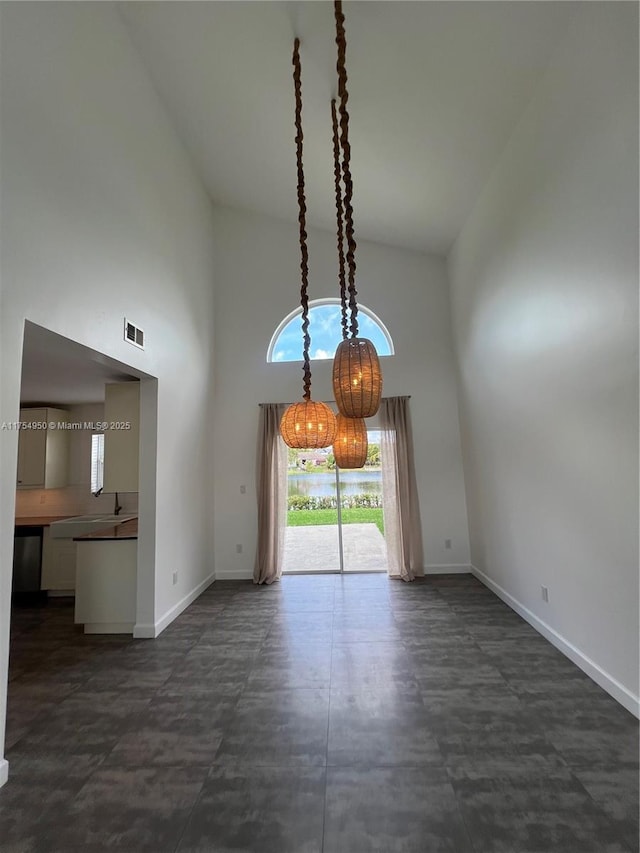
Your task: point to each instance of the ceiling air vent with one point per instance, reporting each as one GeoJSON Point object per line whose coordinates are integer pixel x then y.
{"type": "Point", "coordinates": [133, 334]}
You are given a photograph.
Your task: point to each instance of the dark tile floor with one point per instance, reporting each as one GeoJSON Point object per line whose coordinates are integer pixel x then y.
{"type": "Point", "coordinates": [337, 714]}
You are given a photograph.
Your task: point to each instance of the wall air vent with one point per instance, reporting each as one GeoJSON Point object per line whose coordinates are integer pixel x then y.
{"type": "Point", "coordinates": [133, 334]}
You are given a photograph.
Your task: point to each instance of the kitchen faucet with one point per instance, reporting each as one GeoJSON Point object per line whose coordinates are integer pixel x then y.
{"type": "Point", "coordinates": [116, 506]}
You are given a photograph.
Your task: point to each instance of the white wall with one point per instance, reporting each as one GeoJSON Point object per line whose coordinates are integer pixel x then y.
{"type": "Point", "coordinates": [103, 217]}
{"type": "Point", "coordinates": [257, 262]}
{"type": "Point", "coordinates": [544, 298]}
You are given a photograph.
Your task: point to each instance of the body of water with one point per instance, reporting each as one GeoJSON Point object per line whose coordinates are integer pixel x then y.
{"type": "Point", "coordinates": [324, 484]}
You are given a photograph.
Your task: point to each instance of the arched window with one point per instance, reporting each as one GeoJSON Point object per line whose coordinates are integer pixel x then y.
{"type": "Point", "coordinates": [325, 331]}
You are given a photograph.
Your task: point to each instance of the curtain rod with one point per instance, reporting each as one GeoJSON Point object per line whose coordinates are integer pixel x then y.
{"type": "Point", "coordinates": [330, 402]}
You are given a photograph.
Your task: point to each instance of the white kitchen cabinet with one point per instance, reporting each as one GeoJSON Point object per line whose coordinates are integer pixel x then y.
{"type": "Point", "coordinates": [106, 585]}
{"type": "Point", "coordinates": [58, 564]}
{"type": "Point", "coordinates": [43, 454]}
{"type": "Point", "coordinates": [121, 436]}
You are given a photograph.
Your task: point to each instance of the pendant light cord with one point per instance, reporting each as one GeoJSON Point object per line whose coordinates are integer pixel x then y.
{"type": "Point", "coordinates": [340, 232]}
{"type": "Point", "coordinates": [302, 211]}
{"type": "Point", "coordinates": [341, 42]}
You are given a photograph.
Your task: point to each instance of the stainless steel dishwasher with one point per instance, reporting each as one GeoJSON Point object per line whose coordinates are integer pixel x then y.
{"type": "Point", "coordinates": [27, 560]}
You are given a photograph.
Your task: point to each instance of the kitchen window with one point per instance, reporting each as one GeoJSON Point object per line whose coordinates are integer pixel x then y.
{"type": "Point", "coordinates": [97, 462]}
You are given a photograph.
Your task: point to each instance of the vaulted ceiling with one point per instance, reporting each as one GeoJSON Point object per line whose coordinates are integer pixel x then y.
{"type": "Point", "coordinates": [436, 89]}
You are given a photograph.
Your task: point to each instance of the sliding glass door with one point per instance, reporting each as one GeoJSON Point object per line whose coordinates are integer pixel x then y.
{"type": "Point", "coordinates": [334, 517]}
{"type": "Point", "coordinates": [312, 542]}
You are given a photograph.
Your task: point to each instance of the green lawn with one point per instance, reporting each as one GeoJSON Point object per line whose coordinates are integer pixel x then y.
{"type": "Point", "coordinates": [358, 515]}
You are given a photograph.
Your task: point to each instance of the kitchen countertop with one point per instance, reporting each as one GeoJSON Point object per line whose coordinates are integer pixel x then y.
{"type": "Point", "coordinates": [126, 530]}
{"type": "Point", "coordinates": [39, 520]}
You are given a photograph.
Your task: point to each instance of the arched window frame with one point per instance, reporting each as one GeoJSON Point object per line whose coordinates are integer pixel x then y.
{"type": "Point", "coordinates": [314, 303]}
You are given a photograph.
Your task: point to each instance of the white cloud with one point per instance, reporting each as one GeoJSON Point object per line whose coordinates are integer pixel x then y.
{"type": "Point", "coordinates": [327, 318]}
{"type": "Point", "coordinates": [323, 353]}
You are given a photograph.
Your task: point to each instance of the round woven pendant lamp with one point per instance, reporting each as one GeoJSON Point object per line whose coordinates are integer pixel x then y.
{"type": "Point", "coordinates": [350, 444]}
{"type": "Point", "coordinates": [308, 424]}
{"type": "Point", "coordinates": [357, 378]}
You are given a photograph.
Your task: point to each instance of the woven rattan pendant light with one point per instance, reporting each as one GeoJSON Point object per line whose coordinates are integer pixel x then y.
{"type": "Point", "coordinates": [351, 443]}
{"type": "Point", "coordinates": [357, 378]}
{"type": "Point", "coordinates": [305, 424]}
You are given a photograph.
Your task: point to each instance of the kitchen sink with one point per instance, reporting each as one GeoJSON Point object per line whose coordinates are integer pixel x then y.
{"type": "Point", "coordinates": [81, 524]}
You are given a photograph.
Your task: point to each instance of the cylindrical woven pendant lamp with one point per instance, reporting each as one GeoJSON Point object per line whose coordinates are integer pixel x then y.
{"type": "Point", "coordinates": [350, 444]}
{"type": "Point", "coordinates": [308, 424]}
{"type": "Point", "coordinates": [357, 378]}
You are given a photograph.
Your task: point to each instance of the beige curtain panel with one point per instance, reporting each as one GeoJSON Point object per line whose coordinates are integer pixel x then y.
{"type": "Point", "coordinates": [272, 494]}
{"type": "Point", "coordinates": [401, 511]}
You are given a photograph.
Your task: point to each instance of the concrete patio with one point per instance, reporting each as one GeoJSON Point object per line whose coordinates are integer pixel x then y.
{"type": "Point", "coordinates": [315, 548]}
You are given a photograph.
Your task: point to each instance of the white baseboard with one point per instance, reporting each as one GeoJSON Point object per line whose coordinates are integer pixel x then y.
{"type": "Point", "coordinates": [431, 569]}
{"type": "Point", "coordinates": [148, 630]}
{"type": "Point", "coordinates": [447, 569]}
{"type": "Point", "coordinates": [144, 631]}
{"type": "Point", "coordinates": [234, 574]}
{"type": "Point", "coordinates": [4, 771]}
{"type": "Point", "coordinates": [613, 687]}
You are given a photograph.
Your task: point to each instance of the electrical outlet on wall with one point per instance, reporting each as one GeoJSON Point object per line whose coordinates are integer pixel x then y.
{"type": "Point", "coordinates": [43, 497]}
{"type": "Point", "coordinates": [545, 593]}
{"type": "Point", "coordinates": [175, 578]}
{"type": "Point", "coordinates": [447, 544]}
{"type": "Point", "coordinates": [238, 549]}
{"type": "Point", "coordinates": [243, 490]}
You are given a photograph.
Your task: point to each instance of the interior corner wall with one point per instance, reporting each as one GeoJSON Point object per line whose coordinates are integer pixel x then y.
{"type": "Point", "coordinates": [258, 276]}
{"type": "Point", "coordinates": [544, 280]}
{"type": "Point", "coordinates": [102, 218]}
